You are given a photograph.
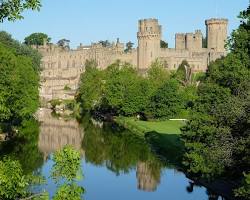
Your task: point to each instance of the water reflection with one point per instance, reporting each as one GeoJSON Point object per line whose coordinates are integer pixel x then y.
{"type": "Point", "coordinates": [136, 163]}
{"type": "Point", "coordinates": [55, 133]}
{"type": "Point", "coordinates": [121, 151]}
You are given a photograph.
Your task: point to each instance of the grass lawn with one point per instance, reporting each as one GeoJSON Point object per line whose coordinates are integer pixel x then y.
{"type": "Point", "coordinates": [162, 127]}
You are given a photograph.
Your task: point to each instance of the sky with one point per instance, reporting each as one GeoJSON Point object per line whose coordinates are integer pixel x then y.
{"type": "Point", "coordinates": [86, 21]}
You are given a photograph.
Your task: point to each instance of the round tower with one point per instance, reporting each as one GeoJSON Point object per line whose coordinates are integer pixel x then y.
{"type": "Point", "coordinates": [216, 34]}
{"type": "Point", "coordinates": [149, 37]}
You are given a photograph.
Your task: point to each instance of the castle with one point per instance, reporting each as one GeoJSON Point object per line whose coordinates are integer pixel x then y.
{"type": "Point", "coordinates": [62, 67]}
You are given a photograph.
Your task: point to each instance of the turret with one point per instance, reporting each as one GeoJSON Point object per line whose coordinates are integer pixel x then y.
{"type": "Point", "coordinates": [216, 34]}
{"type": "Point", "coordinates": [149, 37]}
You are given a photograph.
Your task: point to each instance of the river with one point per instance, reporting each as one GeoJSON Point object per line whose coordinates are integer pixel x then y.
{"type": "Point", "coordinates": [116, 164]}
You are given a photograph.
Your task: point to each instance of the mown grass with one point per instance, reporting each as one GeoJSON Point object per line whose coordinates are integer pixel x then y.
{"type": "Point", "coordinates": [142, 127]}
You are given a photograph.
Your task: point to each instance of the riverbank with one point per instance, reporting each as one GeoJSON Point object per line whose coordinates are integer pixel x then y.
{"type": "Point", "coordinates": [143, 127]}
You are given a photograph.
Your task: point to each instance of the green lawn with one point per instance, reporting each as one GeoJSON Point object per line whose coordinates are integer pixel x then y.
{"type": "Point", "coordinates": [162, 127]}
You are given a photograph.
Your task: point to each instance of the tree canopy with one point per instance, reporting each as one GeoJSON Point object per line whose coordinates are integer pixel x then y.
{"type": "Point", "coordinates": [217, 137]}
{"type": "Point", "coordinates": [12, 9]}
{"type": "Point", "coordinates": [37, 39]}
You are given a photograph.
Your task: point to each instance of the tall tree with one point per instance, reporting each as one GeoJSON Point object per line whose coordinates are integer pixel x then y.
{"type": "Point", "coordinates": [129, 47]}
{"type": "Point", "coordinates": [164, 44]}
{"type": "Point", "coordinates": [64, 43]}
{"type": "Point", "coordinates": [217, 137]}
{"type": "Point", "coordinates": [36, 39]}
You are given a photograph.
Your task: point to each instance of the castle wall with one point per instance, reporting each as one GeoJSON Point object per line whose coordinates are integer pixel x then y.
{"type": "Point", "coordinates": [62, 67]}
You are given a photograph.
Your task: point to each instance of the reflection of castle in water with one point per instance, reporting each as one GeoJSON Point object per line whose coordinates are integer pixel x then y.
{"type": "Point", "coordinates": [146, 180]}
{"type": "Point", "coordinates": [56, 133]}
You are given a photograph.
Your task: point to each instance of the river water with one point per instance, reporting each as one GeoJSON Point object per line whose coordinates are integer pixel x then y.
{"type": "Point", "coordinates": [116, 164]}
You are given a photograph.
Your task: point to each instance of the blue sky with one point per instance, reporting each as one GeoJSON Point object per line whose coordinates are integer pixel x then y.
{"type": "Point", "coordinates": [86, 21]}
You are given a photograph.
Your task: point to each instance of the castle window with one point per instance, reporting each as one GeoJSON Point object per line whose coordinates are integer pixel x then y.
{"type": "Point", "coordinates": [73, 64]}
{"type": "Point", "coordinates": [151, 54]}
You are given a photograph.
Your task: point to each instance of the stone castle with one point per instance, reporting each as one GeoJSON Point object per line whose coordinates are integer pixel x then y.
{"type": "Point", "coordinates": [62, 67]}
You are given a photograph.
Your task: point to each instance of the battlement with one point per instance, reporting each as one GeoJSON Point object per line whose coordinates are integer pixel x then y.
{"type": "Point", "coordinates": [216, 21]}
{"type": "Point", "coordinates": [149, 26]}
{"type": "Point", "coordinates": [149, 20]}
{"type": "Point", "coordinates": [198, 31]}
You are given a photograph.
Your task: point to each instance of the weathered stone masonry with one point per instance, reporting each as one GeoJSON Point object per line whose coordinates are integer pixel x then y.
{"type": "Point", "coordinates": [62, 67]}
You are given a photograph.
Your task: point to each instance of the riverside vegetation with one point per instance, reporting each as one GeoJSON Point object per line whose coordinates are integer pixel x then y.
{"type": "Point", "coordinates": [216, 136]}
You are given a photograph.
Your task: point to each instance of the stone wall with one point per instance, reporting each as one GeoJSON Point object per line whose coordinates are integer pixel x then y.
{"type": "Point", "coordinates": [62, 67]}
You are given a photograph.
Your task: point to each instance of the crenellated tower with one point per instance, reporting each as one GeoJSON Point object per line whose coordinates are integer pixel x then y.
{"type": "Point", "coordinates": [149, 37]}
{"type": "Point", "coordinates": [216, 34]}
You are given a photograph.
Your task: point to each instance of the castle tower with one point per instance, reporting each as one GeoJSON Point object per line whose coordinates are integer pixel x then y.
{"type": "Point", "coordinates": [180, 41]}
{"type": "Point", "coordinates": [149, 36]}
{"type": "Point", "coordinates": [216, 34]}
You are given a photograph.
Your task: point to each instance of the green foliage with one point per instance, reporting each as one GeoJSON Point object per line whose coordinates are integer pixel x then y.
{"type": "Point", "coordinates": [55, 102]}
{"type": "Point", "coordinates": [129, 47]}
{"type": "Point", "coordinates": [118, 149]}
{"type": "Point", "coordinates": [121, 90]}
{"type": "Point", "coordinates": [91, 86]}
{"type": "Point", "coordinates": [12, 9]}
{"type": "Point", "coordinates": [121, 86]}
{"type": "Point", "coordinates": [244, 191]}
{"type": "Point", "coordinates": [13, 183]}
{"type": "Point", "coordinates": [69, 192]}
{"type": "Point", "coordinates": [67, 164]}
{"type": "Point", "coordinates": [36, 39]}
{"type": "Point", "coordinates": [18, 86]}
{"type": "Point", "coordinates": [157, 74]}
{"type": "Point", "coordinates": [167, 101]}
{"type": "Point", "coordinates": [217, 136]}
{"type": "Point", "coordinates": [20, 49]}
{"type": "Point", "coordinates": [164, 44]}
{"type": "Point", "coordinates": [19, 66]}
{"type": "Point", "coordinates": [67, 88]}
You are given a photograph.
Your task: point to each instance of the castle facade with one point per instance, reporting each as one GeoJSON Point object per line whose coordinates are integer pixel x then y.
{"type": "Point", "coordinates": [62, 67]}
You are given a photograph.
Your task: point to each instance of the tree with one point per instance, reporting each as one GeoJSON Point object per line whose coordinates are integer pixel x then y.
{"type": "Point", "coordinates": [105, 43]}
{"type": "Point", "coordinates": [204, 42]}
{"type": "Point", "coordinates": [184, 73]}
{"type": "Point", "coordinates": [129, 47]}
{"type": "Point", "coordinates": [12, 9]}
{"type": "Point", "coordinates": [217, 136]}
{"type": "Point", "coordinates": [163, 44]}
{"type": "Point", "coordinates": [37, 39]}
{"type": "Point", "coordinates": [120, 79]}
{"type": "Point", "coordinates": [64, 43]}
{"type": "Point", "coordinates": [167, 102]}
{"type": "Point", "coordinates": [67, 167]}
{"type": "Point", "coordinates": [18, 87]}
{"type": "Point", "coordinates": [21, 49]}
{"type": "Point", "coordinates": [91, 86]}
{"type": "Point", "coordinates": [157, 74]}
{"type": "Point", "coordinates": [14, 184]}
